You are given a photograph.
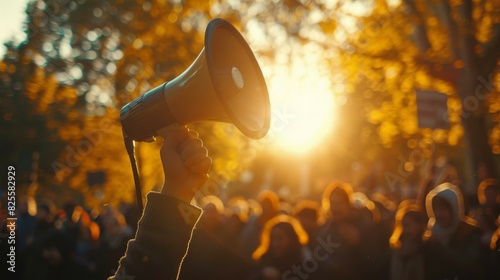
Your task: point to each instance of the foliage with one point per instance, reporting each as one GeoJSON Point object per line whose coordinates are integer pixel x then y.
{"type": "Point", "coordinates": [85, 59]}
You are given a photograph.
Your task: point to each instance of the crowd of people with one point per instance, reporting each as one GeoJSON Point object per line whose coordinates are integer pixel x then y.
{"type": "Point", "coordinates": [68, 242]}
{"type": "Point", "coordinates": [343, 235]}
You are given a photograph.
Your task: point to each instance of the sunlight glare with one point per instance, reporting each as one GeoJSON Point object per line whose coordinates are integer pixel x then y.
{"type": "Point", "coordinates": [302, 103]}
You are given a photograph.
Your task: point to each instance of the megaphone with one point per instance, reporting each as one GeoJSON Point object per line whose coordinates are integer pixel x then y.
{"type": "Point", "coordinates": [224, 83]}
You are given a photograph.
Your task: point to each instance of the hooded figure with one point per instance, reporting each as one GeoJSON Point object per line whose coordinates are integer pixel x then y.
{"type": "Point", "coordinates": [452, 248]}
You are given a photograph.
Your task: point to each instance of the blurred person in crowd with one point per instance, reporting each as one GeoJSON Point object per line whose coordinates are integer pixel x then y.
{"type": "Point", "coordinates": [374, 237]}
{"type": "Point", "coordinates": [343, 227]}
{"type": "Point", "coordinates": [26, 221]}
{"type": "Point", "coordinates": [212, 220]}
{"type": "Point", "coordinates": [406, 241]}
{"type": "Point", "coordinates": [25, 225]}
{"type": "Point", "coordinates": [236, 218]}
{"type": "Point", "coordinates": [488, 194]}
{"type": "Point", "coordinates": [452, 247]}
{"type": "Point", "coordinates": [87, 245]}
{"type": "Point", "coordinates": [70, 221]}
{"type": "Point", "coordinates": [113, 242]}
{"type": "Point", "coordinates": [368, 212]}
{"type": "Point", "coordinates": [45, 215]}
{"type": "Point", "coordinates": [493, 255]}
{"type": "Point", "coordinates": [254, 207]}
{"type": "Point", "coordinates": [387, 208]}
{"type": "Point", "coordinates": [285, 207]}
{"type": "Point", "coordinates": [281, 248]}
{"type": "Point", "coordinates": [43, 228]}
{"type": "Point", "coordinates": [269, 203]}
{"type": "Point", "coordinates": [309, 216]}
{"type": "Point", "coordinates": [41, 256]}
{"type": "Point", "coordinates": [55, 260]}
{"type": "Point", "coordinates": [212, 257]}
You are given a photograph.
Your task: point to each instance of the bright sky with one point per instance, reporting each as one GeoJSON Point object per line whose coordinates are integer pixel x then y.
{"type": "Point", "coordinates": [12, 16]}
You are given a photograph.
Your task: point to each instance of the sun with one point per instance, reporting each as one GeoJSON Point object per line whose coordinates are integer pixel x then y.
{"type": "Point", "coordinates": [302, 104]}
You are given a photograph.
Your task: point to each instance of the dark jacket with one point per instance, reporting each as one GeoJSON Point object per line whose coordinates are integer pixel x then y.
{"type": "Point", "coordinates": [161, 241]}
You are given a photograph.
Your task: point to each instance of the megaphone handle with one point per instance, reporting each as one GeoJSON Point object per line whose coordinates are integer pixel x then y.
{"type": "Point", "coordinates": [129, 145]}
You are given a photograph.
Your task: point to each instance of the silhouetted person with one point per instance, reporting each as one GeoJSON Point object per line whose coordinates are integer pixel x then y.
{"type": "Point", "coordinates": [407, 252]}
{"type": "Point", "coordinates": [281, 252]}
{"type": "Point", "coordinates": [374, 238]}
{"type": "Point", "coordinates": [55, 260]}
{"type": "Point", "coordinates": [26, 222]}
{"type": "Point", "coordinates": [236, 220]}
{"type": "Point", "coordinates": [44, 227]}
{"type": "Point", "coordinates": [269, 201]}
{"type": "Point", "coordinates": [452, 241]}
{"type": "Point", "coordinates": [343, 227]}
{"type": "Point", "coordinates": [486, 214]}
{"type": "Point", "coordinates": [211, 255]}
{"type": "Point", "coordinates": [25, 226]}
{"type": "Point", "coordinates": [113, 241]}
{"type": "Point", "coordinates": [87, 247]}
{"type": "Point", "coordinates": [308, 214]}
{"type": "Point", "coordinates": [493, 256]}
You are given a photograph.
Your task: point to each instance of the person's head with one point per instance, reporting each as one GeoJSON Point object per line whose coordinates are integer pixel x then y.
{"type": "Point", "coordinates": [68, 208]}
{"type": "Point", "coordinates": [369, 211]}
{"type": "Point", "coordinates": [409, 225]}
{"type": "Point", "coordinates": [213, 211]}
{"type": "Point", "coordinates": [270, 204]}
{"type": "Point", "coordinates": [337, 199]}
{"type": "Point", "coordinates": [282, 236]}
{"type": "Point", "coordinates": [444, 206]}
{"type": "Point", "coordinates": [443, 212]}
{"type": "Point", "coordinates": [283, 239]}
{"type": "Point", "coordinates": [237, 213]}
{"type": "Point", "coordinates": [27, 204]}
{"type": "Point", "coordinates": [414, 224]}
{"type": "Point", "coordinates": [307, 211]}
{"type": "Point", "coordinates": [386, 206]}
{"type": "Point", "coordinates": [488, 192]}
{"type": "Point", "coordinates": [114, 222]}
{"type": "Point", "coordinates": [45, 211]}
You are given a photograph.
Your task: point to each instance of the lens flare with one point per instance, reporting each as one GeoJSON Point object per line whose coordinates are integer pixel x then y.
{"type": "Point", "coordinates": [302, 104]}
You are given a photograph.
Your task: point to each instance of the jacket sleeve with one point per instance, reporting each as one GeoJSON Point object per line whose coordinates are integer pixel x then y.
{"type": "Point", "coordinates": [161, 241]}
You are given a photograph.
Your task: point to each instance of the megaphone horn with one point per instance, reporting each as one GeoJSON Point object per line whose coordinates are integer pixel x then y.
{"type": "Point", "coordinates": [224, 83]}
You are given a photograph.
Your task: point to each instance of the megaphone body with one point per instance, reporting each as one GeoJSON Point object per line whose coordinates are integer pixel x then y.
{"type": "Point", "coordinates": [224, 83]}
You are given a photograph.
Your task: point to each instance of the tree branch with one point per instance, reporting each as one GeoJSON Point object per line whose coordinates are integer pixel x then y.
{"type": "Point", "coordinates": [422, 40]}
{"type": "Point", "coordinates": [445, 14]}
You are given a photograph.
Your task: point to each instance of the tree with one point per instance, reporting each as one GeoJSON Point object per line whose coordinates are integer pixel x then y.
{"type": "Point", "coordinates": [447, 46]}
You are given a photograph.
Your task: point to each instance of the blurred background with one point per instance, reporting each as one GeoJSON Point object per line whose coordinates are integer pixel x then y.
{"type": "Point", "coordinates": [383, 94]}
{"type": "Point", "coordinates": [343, 78]}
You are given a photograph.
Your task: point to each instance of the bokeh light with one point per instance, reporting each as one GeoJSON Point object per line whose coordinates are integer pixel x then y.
{"type": "Point", "coordinates": [302, 102]}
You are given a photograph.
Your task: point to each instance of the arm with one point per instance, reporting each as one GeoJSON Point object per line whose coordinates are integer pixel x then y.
{"type": "Point", "coordinates": [166, 225]}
